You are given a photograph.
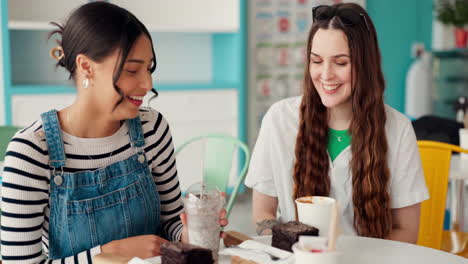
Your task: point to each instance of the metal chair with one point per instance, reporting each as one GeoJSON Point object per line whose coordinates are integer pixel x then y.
{"type": "Point", "coordinates": [218, 159]}
{"type": "Point", "coordinates": [6, 133]}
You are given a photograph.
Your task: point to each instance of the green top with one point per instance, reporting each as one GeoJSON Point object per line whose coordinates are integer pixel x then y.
{"type": "Point", "coordinates": [338, 140]}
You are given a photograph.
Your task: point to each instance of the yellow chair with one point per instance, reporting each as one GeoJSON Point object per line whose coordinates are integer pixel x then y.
{"type": "Point", "coordinates": [435, 157]}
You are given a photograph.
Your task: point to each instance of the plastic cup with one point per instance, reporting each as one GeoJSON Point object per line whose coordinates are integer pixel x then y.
{"type": "Point", "coordinates": [202, 205]}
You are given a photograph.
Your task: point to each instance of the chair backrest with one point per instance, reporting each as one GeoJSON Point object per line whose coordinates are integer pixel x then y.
{"type": "Point", "coordinates": [435, 158]}
{"type": "Point", "coordinates": [6, 133]}
{"type": "Point", "coordinates": [218, 159]}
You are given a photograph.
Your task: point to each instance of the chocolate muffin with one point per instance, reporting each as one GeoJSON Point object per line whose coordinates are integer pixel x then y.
{"type": "Point", "coordinates": [181, 253]}
{"type": "Point", "coordinates": [285, 235]}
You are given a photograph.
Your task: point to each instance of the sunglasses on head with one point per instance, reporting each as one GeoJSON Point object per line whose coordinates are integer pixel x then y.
{"type": "Point", "coordinates": [348, 16]}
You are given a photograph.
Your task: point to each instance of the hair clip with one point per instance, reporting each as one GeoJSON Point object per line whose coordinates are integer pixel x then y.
{"type": "Point", "coordinates": [57, 53]}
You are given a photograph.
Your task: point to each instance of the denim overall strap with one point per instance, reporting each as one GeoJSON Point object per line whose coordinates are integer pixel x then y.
{"type": "Point", "coordinates": [135, 132]}
{"type": "Point", "coordinates": [53, 136]}
{"type": "Point", "coordinates": [94, 207]}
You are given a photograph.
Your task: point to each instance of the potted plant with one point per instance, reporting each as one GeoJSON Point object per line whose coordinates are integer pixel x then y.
{"type": "Point", "coordinates": [455, 13]}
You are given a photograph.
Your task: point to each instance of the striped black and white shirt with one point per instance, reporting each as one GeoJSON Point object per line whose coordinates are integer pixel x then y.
{"type": "Point", "coordinates": [26, 177]}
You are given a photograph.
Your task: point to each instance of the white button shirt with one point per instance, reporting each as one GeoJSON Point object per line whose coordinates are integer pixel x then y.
{"type": "Point", "coordinates": [273, 158]}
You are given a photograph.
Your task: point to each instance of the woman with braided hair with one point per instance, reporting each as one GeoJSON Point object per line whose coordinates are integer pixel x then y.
{"type": "Point", "coordinates": [339, 139]}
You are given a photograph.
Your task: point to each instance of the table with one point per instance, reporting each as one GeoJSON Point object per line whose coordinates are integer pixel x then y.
{"type": "Point", "coordinates": [458, 175]}
{"type": "Point", "coordinates": [363, 250]}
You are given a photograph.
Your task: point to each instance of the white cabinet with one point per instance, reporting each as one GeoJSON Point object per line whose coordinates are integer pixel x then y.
{"type": "Point", "coordinates": [195, 113]}
{"type": "Point", "coordinates": [28, 108]}
{"type": "Point", "coordinates": [157, 15]}
{"type": "Point", "coordinates": [186, 15]}
{"type": "Point", "coordinates": [35, 15]}
{"type": "Point", "coordinates": [190, 113]}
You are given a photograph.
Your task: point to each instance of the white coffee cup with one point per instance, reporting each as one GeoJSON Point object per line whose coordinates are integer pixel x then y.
{"type": "Point", "coordinates": [303, 252]}
{"type": "Point", "coordinates": [315, 211]}
{"type": "Point", "coordinates": [464, 141]}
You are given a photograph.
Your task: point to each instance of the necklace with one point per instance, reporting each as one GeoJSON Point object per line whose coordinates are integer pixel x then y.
{"type": "Point", "coordinates": [340, 135]}
{"type": "Point", "coordinates": [76, 135]}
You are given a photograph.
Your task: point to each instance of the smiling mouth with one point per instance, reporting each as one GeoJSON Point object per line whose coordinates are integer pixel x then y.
{"type": "Point", "coordinates": [136, 100]}
{"type": "Point", "coordinates": [330, 87]}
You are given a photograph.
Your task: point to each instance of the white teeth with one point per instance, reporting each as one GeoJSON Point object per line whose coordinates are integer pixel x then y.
{"type": "Point", "coordinates": [139, 98]}
{"type": "Point", "coordinates": [330, 87]}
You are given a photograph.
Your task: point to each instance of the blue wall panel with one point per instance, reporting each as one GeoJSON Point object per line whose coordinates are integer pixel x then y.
{"type": "Point", "coordinates": [399, 24]}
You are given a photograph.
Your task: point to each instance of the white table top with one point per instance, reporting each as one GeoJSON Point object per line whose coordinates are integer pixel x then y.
{"type": "Point", "coordinates": [363, 250]}
{"type": "Point", "coordinates": [458, 168]}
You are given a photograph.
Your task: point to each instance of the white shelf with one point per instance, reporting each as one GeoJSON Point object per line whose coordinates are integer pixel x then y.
{"type": "Point", "coordinates": [26, 14]}
{"type": "Point", "coordinates": [46, 26]}
{"type": "Point", "coordinates": [28, 25]}
{"type": "Point", "coordinates": [158, 15]}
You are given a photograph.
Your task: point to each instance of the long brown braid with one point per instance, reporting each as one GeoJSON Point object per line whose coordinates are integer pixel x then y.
{"type": "Point", "coordinates": [370, 173]}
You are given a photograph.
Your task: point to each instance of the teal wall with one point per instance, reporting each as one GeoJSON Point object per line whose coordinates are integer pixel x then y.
{"type": "Point", "coordinates": [3, 81]}
{"type": "Point", "coordinates": [400, 23]}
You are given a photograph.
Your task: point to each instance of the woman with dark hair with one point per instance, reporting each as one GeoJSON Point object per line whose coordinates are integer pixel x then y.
{"type": "Point", "coordinates": [99, 175]}
{"type": "Point", "coordinates": [339, 139]}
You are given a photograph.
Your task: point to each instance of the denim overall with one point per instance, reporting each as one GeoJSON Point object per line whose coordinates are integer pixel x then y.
{"type": "Point", "coordinates": [91, 208]}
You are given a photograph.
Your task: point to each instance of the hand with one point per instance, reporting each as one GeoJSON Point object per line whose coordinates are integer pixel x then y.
{"type": "Point", "coordinates": [145, 246]}
{"type": "Point", "coordinates": [183, 216]}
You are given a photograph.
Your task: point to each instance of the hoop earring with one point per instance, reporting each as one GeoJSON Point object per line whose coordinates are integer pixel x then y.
{"type": "Point", "coordinates": [85, 83]}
